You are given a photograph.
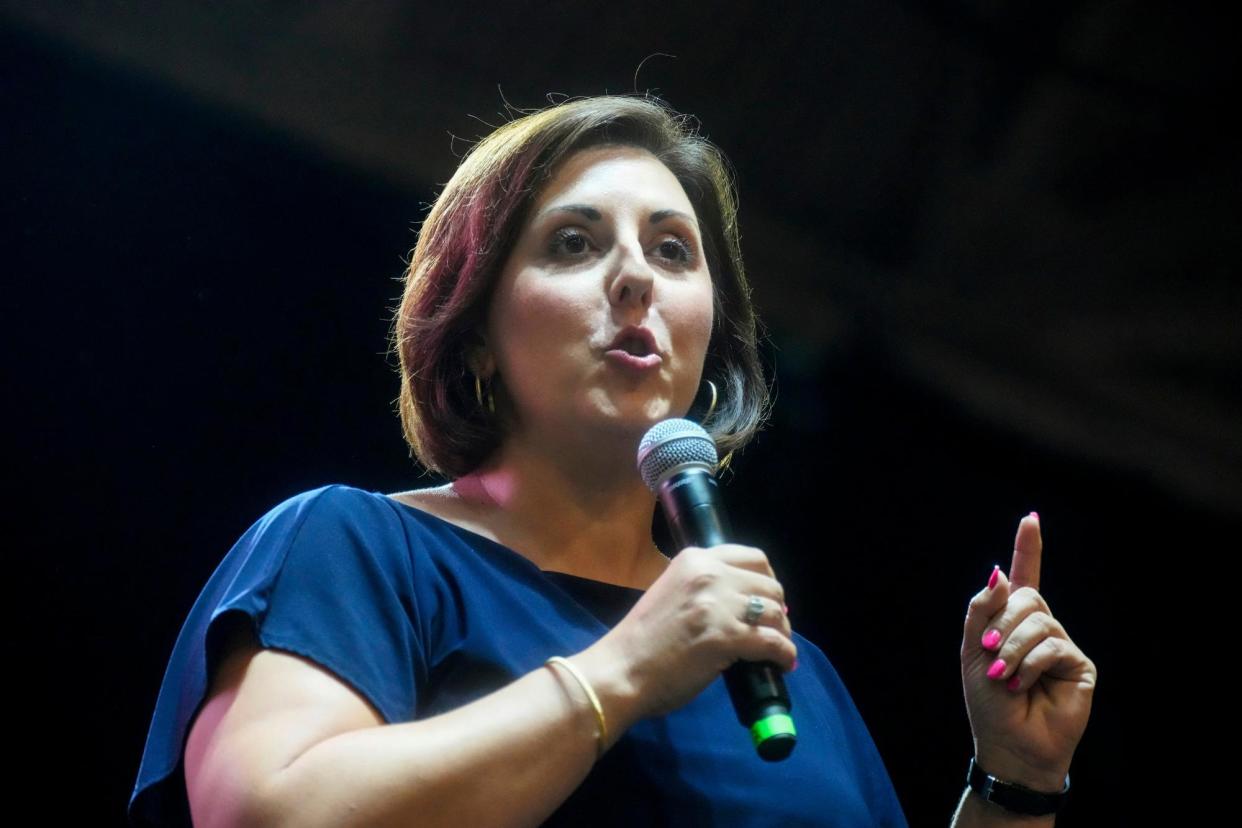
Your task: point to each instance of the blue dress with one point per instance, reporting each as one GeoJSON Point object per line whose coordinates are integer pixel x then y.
{"type": "Point", "coordinates": [421, 616]}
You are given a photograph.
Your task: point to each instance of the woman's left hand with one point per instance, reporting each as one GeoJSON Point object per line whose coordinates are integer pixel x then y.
{"type": "Point", "coordinates": [1029, 712]}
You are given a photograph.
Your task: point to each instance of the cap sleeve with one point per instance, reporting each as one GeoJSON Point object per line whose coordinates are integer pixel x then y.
{"type": "Point", "coordinates": [326, 574]}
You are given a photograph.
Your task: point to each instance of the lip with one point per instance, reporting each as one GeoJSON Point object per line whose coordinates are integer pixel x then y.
{"type": "Point", "coordinates": [640, 333]}
{"type": "Point", "coordinates": [632, 362]}
{"type": "Point", "coordinates": [616, 355]}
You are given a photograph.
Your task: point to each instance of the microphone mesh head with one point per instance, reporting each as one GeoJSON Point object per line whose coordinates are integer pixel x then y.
{"type": "Point", "coordinates": [673, 443]}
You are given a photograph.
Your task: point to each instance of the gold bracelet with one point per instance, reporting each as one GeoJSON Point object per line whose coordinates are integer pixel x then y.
{"type": "Point", "coordinates": [586, 686]}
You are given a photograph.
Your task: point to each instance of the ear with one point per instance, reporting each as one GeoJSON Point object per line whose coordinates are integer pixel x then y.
{"type": "Point", "coordinates": [479, 358]}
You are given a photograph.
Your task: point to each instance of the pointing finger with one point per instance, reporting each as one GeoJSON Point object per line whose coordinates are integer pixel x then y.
{"type": "Point", "coordinates": [1028, 548]}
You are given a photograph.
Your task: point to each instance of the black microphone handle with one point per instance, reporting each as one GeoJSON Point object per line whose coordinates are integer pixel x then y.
{"type": "Point", "coordinates": [696, 517]}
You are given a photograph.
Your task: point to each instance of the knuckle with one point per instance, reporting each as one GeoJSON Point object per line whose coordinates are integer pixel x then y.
{"type": "Point", "coordinates": [692, 555]}
{"type": "Point", "coordinates": [756, 555]}
{"type": "Point", "coordinates": [978, 601]}
{"type": "Point", "coordinates": [702, 580]}
{"type": "Point", "coordinates": [1027, 595]}
{"type": "Point", "coordinates": [1039, 625]}
{"type": "Point", "coordinates": [1033, 596]}
{"type": "Point", "coordinates": [1050, 625]}
{"type": "Point", "coordinates": [699, 616]}
{"type": "Point", "coordinates": [767, 563]}
{"type": "Point", "coordinates": [1055, 646]}
{"type": "Point", "coordinates": [776, 640]}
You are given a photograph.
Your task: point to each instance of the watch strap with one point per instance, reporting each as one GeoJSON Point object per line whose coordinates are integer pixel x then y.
{"type": "Point", "coordinates": [1014, 797]}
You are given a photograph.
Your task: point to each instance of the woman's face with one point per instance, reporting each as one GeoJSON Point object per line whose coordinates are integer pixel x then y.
{"type": "Point", "coordinates": [603, 311]}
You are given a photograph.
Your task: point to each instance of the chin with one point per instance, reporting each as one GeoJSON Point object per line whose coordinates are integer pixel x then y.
{"type": "Point", "coordinates": [632, 416]}
{"type": "Point", "coordinates": [634, 424]}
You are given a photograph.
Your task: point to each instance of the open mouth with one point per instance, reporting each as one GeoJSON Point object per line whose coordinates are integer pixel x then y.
{"type": "Point", "coordinates": [634, 346]}
{"type": "Point", "coordinates": [635, 341]}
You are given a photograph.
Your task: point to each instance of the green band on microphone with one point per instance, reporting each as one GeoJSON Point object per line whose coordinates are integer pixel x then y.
{"type": "Point", "coordinates": [778, 725]}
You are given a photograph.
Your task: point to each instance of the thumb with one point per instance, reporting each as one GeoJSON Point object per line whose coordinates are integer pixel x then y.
{"type": "Point", "coordinates": [983, 606]}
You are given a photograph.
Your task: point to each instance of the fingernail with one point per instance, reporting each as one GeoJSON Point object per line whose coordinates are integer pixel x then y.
{"type": "Point", "coordinates": [997, 668]}
{"type": "Point", "coordinates": [990, 639]}
{"type": "Point", "coordinates": [1034, 515]}
{"type": "Point", "coordinates": [786, 608]}
{"type": "Point", "coordinates": [1013, 682]}
{"type": "Point", "coordinates": [995, 577]}
{"type": "Point", "coordinates": [795, 666]}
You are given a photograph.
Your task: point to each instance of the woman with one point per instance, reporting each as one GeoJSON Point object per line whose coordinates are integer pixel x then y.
{"type": "Point", "coordinates": [513, 647]}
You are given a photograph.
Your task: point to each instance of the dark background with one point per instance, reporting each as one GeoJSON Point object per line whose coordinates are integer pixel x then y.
{"type": "Point", "coordinates": [995, 245]}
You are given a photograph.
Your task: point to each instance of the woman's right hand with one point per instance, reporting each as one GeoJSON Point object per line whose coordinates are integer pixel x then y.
{"type": "Point", "coordinates": [690, 626]}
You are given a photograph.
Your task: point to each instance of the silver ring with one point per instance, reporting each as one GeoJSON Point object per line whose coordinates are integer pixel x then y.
{"type": "Point", "coordinates": [754, 610]}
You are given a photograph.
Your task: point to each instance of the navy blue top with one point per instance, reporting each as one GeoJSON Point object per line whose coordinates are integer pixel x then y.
{"type": "Point", "coordinates": [421, 616]}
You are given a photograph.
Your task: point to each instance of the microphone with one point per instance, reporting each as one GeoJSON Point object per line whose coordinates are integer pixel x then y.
{"type": "Point", "coordinates": [677, 461]}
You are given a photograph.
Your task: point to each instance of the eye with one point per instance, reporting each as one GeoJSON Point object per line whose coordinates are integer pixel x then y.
{"type": "Point", "coordinates": [569, 241]}
{"type": "Point", "coordinates": [677, 249]}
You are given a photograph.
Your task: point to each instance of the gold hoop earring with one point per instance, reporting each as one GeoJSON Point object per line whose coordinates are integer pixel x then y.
{"type": "Point", "coordinates": [478, 395]}
{"type": "Point", "coordinates": [724, 462]}
{"type": "Point", "coordinates": [712, 406]}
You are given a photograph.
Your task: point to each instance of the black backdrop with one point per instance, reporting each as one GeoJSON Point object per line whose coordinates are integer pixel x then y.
{"type": "Point", "coordinates": [198, 310]}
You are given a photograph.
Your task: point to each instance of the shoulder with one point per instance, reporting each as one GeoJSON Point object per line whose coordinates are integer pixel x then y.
{"type": "Point", "coordinates": [331, 496]}
{"type": "Point", "coordinates": [445, 504]}
{"type": "Point", "coordinates": [421, 525]}
{"type": "Point", "coordinates": [339, 502]}
{"type": "Point", "coordinates": [330, 524]}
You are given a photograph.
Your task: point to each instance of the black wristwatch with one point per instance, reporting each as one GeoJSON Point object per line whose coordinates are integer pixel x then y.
{"type": "Point", "coordinates": [1013, 797]}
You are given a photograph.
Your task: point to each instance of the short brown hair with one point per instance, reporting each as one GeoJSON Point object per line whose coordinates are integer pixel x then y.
{"type": "Point", "coordinates": [466, 238]}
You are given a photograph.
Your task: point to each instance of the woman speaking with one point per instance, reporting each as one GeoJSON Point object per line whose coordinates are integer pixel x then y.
{"type": "Point", "coordinates": [513, 648]}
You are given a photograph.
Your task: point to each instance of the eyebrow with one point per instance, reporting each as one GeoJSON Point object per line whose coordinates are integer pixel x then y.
{"type": "Point", "coordinates": [591, 214]}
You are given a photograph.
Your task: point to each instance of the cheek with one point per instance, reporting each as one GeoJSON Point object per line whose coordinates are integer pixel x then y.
{"type": "Point", "coordinates": [699, 319]}
{"type": "Point", "coordinates": [534, 325]}
{"type": "Point", "coordinates": [709, 315]}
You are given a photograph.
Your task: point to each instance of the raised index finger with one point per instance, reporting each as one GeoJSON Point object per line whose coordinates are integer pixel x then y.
{"type": "Point", "coordinates": [1028, 547]}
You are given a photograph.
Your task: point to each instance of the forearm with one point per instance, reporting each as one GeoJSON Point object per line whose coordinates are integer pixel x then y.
{"type": "Point", "coordinates": [973, 812]}
{"type": "Point", "coordinates": [509, 758]}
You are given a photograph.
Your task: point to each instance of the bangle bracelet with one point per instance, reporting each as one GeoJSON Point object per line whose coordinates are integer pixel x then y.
{"type": "Point", "coordinates": [602, 736]}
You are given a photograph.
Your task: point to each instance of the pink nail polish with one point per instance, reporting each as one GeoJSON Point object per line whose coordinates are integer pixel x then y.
{"type": "Point", "coordinates": [795, 666]}
{"type": "Point", "coordinates": [997, 668]}
{"type": "Point", "coordinates": [990, 639]}
{"type": "Point", "coordinates": [786, 608]}
{"type": "Point", "coordinates": [1013, 682]}
{"type": "Point", "coordinates": [1034, 515]}
{"type": "Point", "coordinates": [995, 577]}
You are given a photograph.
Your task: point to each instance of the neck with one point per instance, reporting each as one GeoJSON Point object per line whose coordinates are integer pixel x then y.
{"type": "Point", "coordinates": [583, 513]}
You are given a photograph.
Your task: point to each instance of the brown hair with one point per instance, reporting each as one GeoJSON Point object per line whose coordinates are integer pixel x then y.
{"type": "Point", "coordinates": [466, 239]}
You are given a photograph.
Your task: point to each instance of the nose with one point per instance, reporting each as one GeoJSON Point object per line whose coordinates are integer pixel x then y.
{"type": "Point", "coordinates": [632, 281]}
